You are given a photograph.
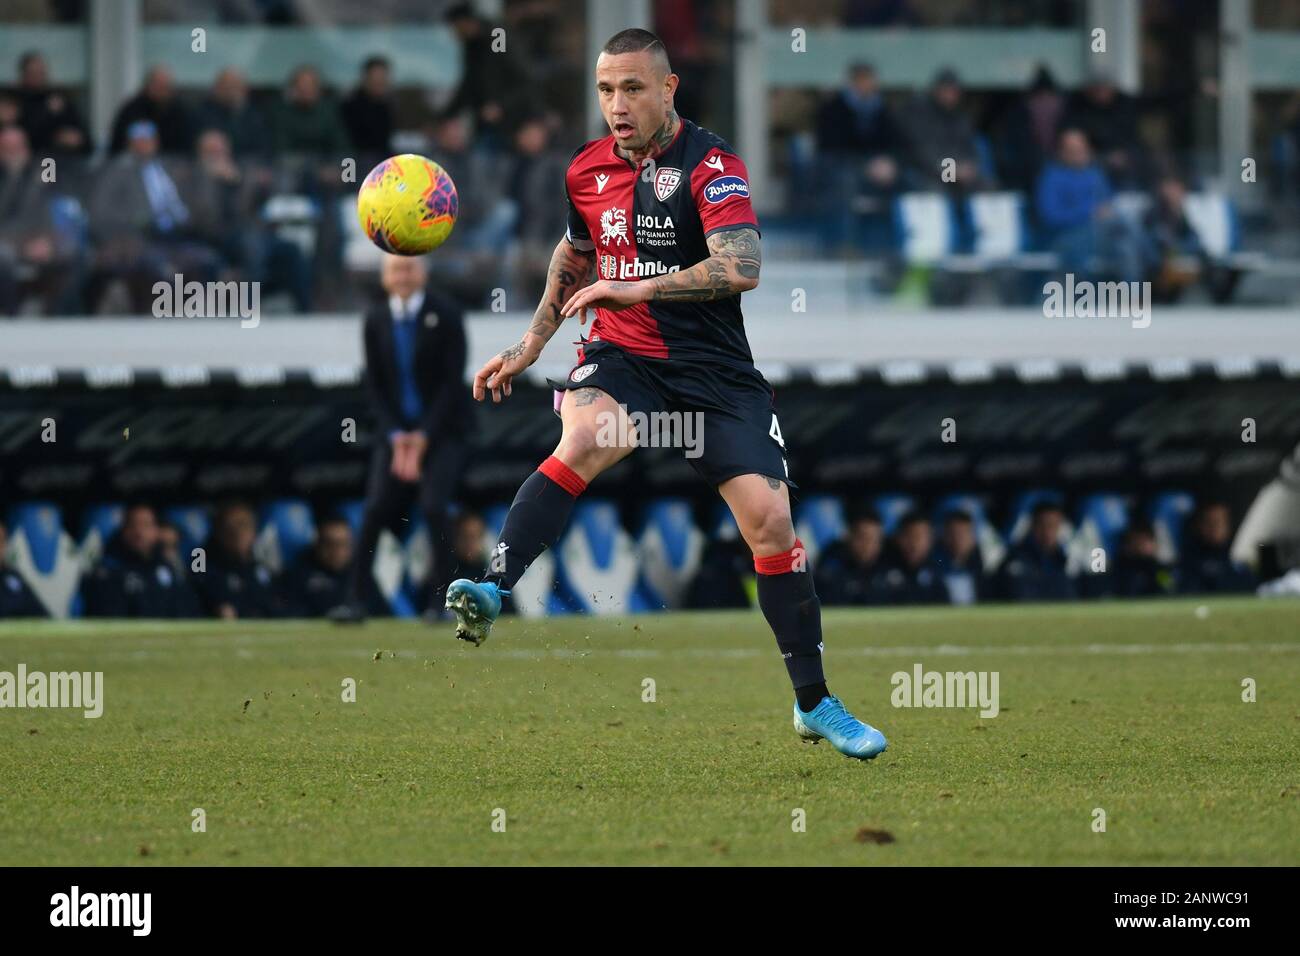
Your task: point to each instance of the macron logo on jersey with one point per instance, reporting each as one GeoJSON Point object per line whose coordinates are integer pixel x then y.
{"type": "Point", "coordinates": [724, 187]}
{"type": "Point", "coordinates": [714, 162]}
{"type": "Point", "coordinates": [601, 179]}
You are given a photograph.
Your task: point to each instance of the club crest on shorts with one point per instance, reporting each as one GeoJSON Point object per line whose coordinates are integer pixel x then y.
{"type": "Point", "coordinates": [666, 181]}
{"type": "Point", "coordinates": [582, 372]}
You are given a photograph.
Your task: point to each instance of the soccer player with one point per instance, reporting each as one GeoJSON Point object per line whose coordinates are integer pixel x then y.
{"type": "Point", "coordinates": [660, 208]}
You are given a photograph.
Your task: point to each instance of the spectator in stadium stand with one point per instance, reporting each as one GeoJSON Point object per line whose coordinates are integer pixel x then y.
{"type": "Point", "coordinates": [235, 192]}
{"type": "Point", "coordinates": [1073, 205]}
{"type": "Point", "coordinates": [1109, 118]}
{"type": "Point", "coordinates": [1175, 257]}
{"type": "Point", "coordinates": [1027, 133]}
{"type": "Point", "coordinates": [910, 575]}
{"type": "Point", "coordinates": [49, 116]}
{"type": "Point", "coordinates": [959, 561]}
{"type": "Point", "coordinates": [857, 125]}
{"type": "Point", "coordinates": [488, 81]}
{"type": "Point", "coordinates": [169, 546]}
{"type": "Point", "coordinates": [1036, 569]}
{"type": "Point", "coordinates": [306, 122]}
{"type": "Point", "coordinates": [133, 578]}
{"type": "Point", "coordinates": [368, 112]}
{"type": "Point", "coordinates": [848, 571]}
{"type": "Point", "coordinates": [318, 580]}
{"type": "Point", "coordinates": [470, 264]}
{"type": "Point", "coordinates": [234, 584]}
{"type": "Point", "coordinates": [34, 255]}
{"type": "Point", "coordinates": [1205, 565]}
{"type": "Point", "coordinates": [148, 223]}
{"type": "Point", "coordinates": [415, 353]}
{"type": "Point", "coordinates": [535, 170]}
{"type": "Point", "coordinates": [17, 599]}
{"type": "Point", "coordinates": [939, 129]}
{"type": "Point", "coordinates": [1136, 571]}
{"type": "Point", "coordinates": [158, 104]}
{"type": "Point", "coordinates": [229, 109]}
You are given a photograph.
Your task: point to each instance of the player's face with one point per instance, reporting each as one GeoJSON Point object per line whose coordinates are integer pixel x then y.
{"type": "Point", "coordinates": [635, 96]}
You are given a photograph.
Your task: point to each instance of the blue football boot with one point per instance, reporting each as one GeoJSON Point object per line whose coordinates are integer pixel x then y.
{"type": "Point", "coordinates": [846, 733]}
{"type": "Point", "coordinates": [477, 605]}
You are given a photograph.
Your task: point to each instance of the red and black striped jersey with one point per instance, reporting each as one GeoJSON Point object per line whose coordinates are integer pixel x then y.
{"type": "Point", "coordinates": [650, 219]}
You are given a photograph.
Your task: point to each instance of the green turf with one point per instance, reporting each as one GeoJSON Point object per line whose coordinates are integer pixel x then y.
{"type": "Point", "coordinates": [1133, 708]}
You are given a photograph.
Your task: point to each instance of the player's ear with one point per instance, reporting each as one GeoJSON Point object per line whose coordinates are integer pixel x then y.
{"type": "Point", "coordinates": [670, 87]}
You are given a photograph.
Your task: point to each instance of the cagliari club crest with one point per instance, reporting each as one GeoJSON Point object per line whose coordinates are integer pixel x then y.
{"type": "Point", "coordinates": [666, 181]}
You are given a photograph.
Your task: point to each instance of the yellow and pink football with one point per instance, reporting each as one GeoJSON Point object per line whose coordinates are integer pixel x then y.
{"type": "Point", "coordinates": [407, 205]}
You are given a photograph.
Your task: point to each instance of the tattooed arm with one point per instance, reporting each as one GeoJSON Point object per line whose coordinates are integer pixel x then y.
{"type": "Point", "coordinates": [568, 270]}
{"type": "Point", "coordinates": [731, 269]}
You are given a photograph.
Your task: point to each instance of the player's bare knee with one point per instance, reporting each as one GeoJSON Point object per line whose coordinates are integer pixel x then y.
{"type": "Point", "coordinates": [584, 449]}
{"type": "Point", "coordinates": [768, 530]}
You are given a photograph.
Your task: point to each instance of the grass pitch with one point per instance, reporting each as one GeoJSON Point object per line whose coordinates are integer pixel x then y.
{"type": "Point", "coordinates": [1134, 708]}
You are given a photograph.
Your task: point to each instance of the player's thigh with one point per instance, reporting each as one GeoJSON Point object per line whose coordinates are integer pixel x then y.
{"type": "Point", "coordinates": [597, 432]}
{"type": "Point", "coordinates": [761, 506]}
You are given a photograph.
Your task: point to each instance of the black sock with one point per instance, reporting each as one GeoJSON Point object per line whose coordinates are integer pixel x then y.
{"type": "Point", "coordinates": [789, 602]}
{"type": "Point", "coordinates": [536, 519]}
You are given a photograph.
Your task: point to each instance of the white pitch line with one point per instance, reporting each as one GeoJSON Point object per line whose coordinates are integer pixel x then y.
{"type": "Point", "coordinates": [244, 652]}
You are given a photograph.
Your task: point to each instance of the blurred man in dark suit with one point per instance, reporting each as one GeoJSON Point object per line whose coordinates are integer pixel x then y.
{"type": "Point", "coordinates": [415, 374]}
{"type": "Point", "coordinates": [17, 599]}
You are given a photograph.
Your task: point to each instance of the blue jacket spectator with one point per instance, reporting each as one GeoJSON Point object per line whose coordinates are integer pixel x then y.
{"type": "Point", "coordinates": [1072, 189]}
{"type": "Point", "coordinates": [1036, 568]}
{"type": "Point", "coordinates": [234, 584]}
{"type": "Point", "coordinates": [133, 579]}
{"type": "Point", "coordinates": [848, 571]}
{"type": "Point", "coordinates": [961, 566]}
{"type": "Point", "coordinates": [1205, 566]}
{"type": "Point", "coordinates": [911, 575]}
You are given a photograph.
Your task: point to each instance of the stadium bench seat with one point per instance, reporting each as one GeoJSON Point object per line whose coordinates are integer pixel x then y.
{"type": "Point", "coordinates": [1102, 519]}
{"type": "Point", "coordinates": [668, 551]}
{"type": "Point", "coordinates": [1168, 512]}
{"type": "Point", "coordinates": [98, 523]}
{"type": "Point", "coordinates": [892, 507]}
{"type": "Point", "coordinates": [194, 524]}
{"type": "Point", "coordinates": [820, 522]}
{"type": "Point", "coordinates": [43, 552]}
{"type": "Point", "coordinates": [926, 228]}
{"type": "Point", "coordinates": [287, 528]}
{"type": "Point", "coordinates": [598, 562]}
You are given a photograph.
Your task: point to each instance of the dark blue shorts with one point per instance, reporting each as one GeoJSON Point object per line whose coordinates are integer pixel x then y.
{"type": "Point", "coordinates": [721, 415]}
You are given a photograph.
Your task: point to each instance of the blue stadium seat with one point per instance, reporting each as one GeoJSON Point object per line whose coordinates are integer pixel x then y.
{"type": "Point", "coordinates": [723, 527]}
{"type": "Point", "coordinates": [819, 521]}
{"type": "Point", "coordinates": [535, 594]}
{"type": "Point", "coordinates": [926, 227]}
{"type": "Point", "coordinates": [44, 554]}
{"type": "Point", "coordinates": [98, 524]}
{"type": "Point", "coordinates": [1102, 519]}
{"type": "Point", "coordinates": [668, 551]}
{"type": "Point", "coordinates": [287, 528]}
{"type": "Point", "coordinates": [1213, 218]}
{"type": "Point", "coordinates": [598, 562]}
{"type": "Point", "coordinates": [1168, 512]}
{"type": "Point", "coordinates": [892, 507]}
{"type": "Point", "coordinates": [193, 522]}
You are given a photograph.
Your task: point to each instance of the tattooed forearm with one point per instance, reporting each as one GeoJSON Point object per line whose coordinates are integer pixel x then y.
{"type": "Point", "coordinates": [568, 270]}
{"type": "Point", "coordinates": [732, 268]}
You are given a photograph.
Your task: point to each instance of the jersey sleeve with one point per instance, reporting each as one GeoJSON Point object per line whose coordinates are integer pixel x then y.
{"type": "Point", "coordinates": [720, 185]}
{"type": "Point", "coordinates": [576, 231]}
